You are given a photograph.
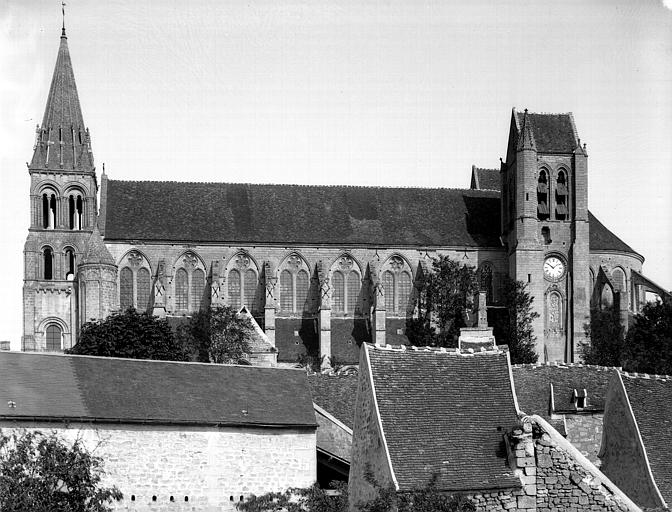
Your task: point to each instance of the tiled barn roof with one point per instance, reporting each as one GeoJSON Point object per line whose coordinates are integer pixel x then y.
{"type": "Point", "coordinates": [485, 179]}
{"type": "Point", "coordinates": [445, 414]}
{"type": "Point", "coordinates": [651, 401]}
{"type": "Point", "coordinates": [533, 388]}
{"type": "Point", "coordinates": [83, 388]}
{"type": "Point", "coordinates": [286, 214]}
{"type": "Point", "coordinates": [293, 214]}
{"type": "Point", "coordinates": [335, 394]}
{"type": "Point", "coordinates": [553, 133]}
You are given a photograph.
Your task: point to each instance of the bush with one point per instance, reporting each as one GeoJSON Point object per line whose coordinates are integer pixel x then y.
{"type": "Point", "coordinates": [605, 338]}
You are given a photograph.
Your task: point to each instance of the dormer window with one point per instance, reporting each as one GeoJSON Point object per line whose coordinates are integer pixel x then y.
{"type": "Point", "coordinates": [580, 398]}
{"type": "Point", "coordinates": [542, 196]}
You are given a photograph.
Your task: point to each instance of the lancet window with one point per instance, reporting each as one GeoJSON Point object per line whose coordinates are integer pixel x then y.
{"type": "Point", "coordinates": [243, 283]}
{"type": "Point", "coordinates": [397, 286]}
{"type": "Point", "coordinates": [75, 211]}
{"type": "Point", "coordinates": [47, 263]}
{"type": "Point", "coordinates": [561, 197]}
{"type": "Point", "coordinates": [69, 264]}
{"type": "Point", "coordinates": [189, 283]}
{"type": "Point", "coordinates": [542, 196]}
{"type": "Point", "coordinates": [48, 210]}
{"type": "Point", "coordinates": [294, 285]}
{"type": "Point", "coordinates": [346, 284]}
{"type": "Point", "coordinates": [134, 282]}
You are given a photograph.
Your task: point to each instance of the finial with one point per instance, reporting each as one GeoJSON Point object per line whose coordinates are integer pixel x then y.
{"type": "Point", "coordinates": [526, 111]}
{"type": "Point", "coordinates": [103, 167]}
{"type": "Point", "coordinates": [63, 11]}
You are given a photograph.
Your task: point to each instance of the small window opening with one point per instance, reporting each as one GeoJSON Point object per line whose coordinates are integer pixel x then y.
{"type": "Point", "coordinates": [580, 398]}
{"type": "Point", "coordinates": [48, 211]}
{"type": "Point", "coordinates": [48, 257]}
{"type": "Point", "coordinates": [230, 498]}
{"type": "Point", "coordinates": [186, 498]}
{"type": "Point", "coordinates": [80, 136]}
{"type": "Point", "coordinates": [132, 497]}
{"type": "Point", "coordinates": [241, 498]}
{"type": "Point", "coordinates": [153, 498]}
{"type": "Point", "coordinates": [529, 278]}
{"type": "Point", "coordinates": [527, 196]}
{"type": "Point", "coordinates": [542, 196]}
{"type": "Point", "coordinates": [69, 264]}
{"type": "Point", "coordinates": [546, 234]}
{"type": "Point", "coordinates": [172, 499]}
{"type": "Point", "coordinates": [75, 205]}
{"type": "Point", "coordinates": [60, 135]}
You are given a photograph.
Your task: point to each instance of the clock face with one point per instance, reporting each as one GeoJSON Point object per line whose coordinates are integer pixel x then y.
{"type": "Point", "coordinates": [554, 268]}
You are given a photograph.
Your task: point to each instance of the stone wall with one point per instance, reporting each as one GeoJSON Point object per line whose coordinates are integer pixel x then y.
{"type": "Point", "coordinates": [200, 468]}
{"type": "Point", "coordinates": [584, 431]}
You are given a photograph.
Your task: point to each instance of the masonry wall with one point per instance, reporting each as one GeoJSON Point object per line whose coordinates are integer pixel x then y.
{"type": "Point", "coordinates": [212, 467]}
{"type": "Point", "coordinates": [584, 431]}
{"type": "Point", "coordinates": [333, 438]}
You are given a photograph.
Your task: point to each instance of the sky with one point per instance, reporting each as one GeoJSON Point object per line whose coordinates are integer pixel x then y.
{"type": "Point", "coordinates": [386, 93]}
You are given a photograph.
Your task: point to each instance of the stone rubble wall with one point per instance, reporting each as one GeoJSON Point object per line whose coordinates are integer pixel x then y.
{"type": "Point", "coordinates": [584, 431]}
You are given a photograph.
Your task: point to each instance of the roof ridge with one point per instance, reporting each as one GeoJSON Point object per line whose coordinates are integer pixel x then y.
{"type": "Point", "coordinates": [561, 364]}
{"type": "Point", "coordinates": [648, 376]}
{"type": "Point", "coordinates": [193, 363]}
{"type": "Point", "coordinates": [303, 185]}
{"type": "Point", "coordinates": [437, 350]}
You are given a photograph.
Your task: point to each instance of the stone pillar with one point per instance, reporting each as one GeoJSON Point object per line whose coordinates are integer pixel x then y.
{"type": "Point", "coordinates": [379, 312]}
{"type": "Point", "coordinates": [269, 305]}
{"type": "Point", "coordinates": [523, 462]}
{"type": "Point", "coordinates": [324, 318]}
{"type": "Point", "coordinates": [215, 285]}
{"type": "Point", "coordinates": [159, 308]}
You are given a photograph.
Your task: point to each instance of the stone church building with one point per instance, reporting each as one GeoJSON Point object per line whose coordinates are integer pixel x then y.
{"type": "Point", "coordinates": [322, 268]}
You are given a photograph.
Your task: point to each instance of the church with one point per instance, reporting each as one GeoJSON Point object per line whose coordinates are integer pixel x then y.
{"type": "Point", "coordinates": [323, 269]}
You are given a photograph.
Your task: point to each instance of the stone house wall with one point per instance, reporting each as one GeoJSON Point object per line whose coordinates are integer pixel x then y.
{"type": "Point", "coordinates": [584, 431]}
{"type": "Point", "coordinates": [212, 468]}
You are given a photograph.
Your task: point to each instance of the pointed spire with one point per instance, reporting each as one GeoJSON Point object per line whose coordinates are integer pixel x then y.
{"type": "Point", "coordinates": [62, 141]}
{"type": "Point", "coordinates": [96, 251]}
{"type": "Point", "coordinates": [526, 139]}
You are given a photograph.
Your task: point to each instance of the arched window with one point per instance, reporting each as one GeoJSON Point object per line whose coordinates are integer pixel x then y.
{"type": "Point", "coordinates": [250, 284]}
{"type": "Point", "coordinates": [126, 288]}
{"type": "Point", "coordinates": [234, 289]}
{"type": "Point", "coordinates": [48, 263]}
{"type": "Point", "coordinates": [75, 211]}
{"type": "Point", "coordinates": [54, 338]}
{"type": "Point", "coordinates": [607, 297]}
{"type": "Point", "coordinates": [302, 290]}
{"type": "Point", "coordinates": [618, 278]}
{"type": "Point", "coordinates": [48, 210]}
{"type": "Point", "coordinates": [354, 285]}
{"type": "Point", "coordinates": [286, 291]}
{"type": "Point", "coordinates": [197, 288]}
{"type": "Point", "coordinates": [69, 264]}
{"type": "Point", "coordinates": [542, 196]}
{"type": "Point", "coordinates": [338, 298]}
{"type": "Point", "coordinates": [561, 194]}
{"type": "Point", "coordinates": [388, 286]}
{"type": "Point", "coordinates": [181, 287]}
{"type": "Point", "coordinates": [144, 289]}
{"type": "Point", "coordinates": [404, 291]}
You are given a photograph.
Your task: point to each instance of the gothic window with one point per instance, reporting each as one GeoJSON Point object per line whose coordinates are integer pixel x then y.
{"type": "Point", "coordinates": [126, 288]}
{"type": "Point", "coordinates": [302, 289]}
{"type": "Point", "coordinates": [607, 297]}
{"type": "Point", "coordinates": [618, 278]}
{"type": "Point", "coordinates": [69, 264]}
{"type": "Point", "coordinates": [48, 210]}
{"type": "Point", "coordinates": [404, 291]}
{"type": "Point", "coordinates": [294, 285]}
{"type": "Point", "coordinates": [54, 335]}
{"type": "Point", "coordinates": [181, 287]}
{"type": "Point", "coordinates": [338, 299]}
{"type": "Point", "coordinates": [485, 274]}
{"type": "Point", "coordinates": [286, 291]}
{"type": "Point", "coordinates": [144, 287]}
{"type": "Point", "coordinates": [48, 263]}
{"type": "Point", "coordinates": [388, 286]}
{"type": "Point", "coordinates": [234, 289]}
{"type": "Point", "coordinates": [135, 283]}
{"type": "Point", "coordinates": [250, 284]}
{"type": "Point", "coordinates": [353, 286]}
{"type": "Point", "coordinates": [561, 193]}
{"type": "Point", "coordinates": [542, 196]}
{"type": "Point", "coordinates": [75, 211]}
{"type": "Point", "coordinates": [546, 235]}
{"type": "Point", "coordinates": [197, 289]}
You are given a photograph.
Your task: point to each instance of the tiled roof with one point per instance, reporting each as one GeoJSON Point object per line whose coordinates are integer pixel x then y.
{"type": "Point", "coordinates": [129, 390]}
{"type": "Point", "coordinates": [485, 179]}
{"type": "Point", "coordinates": [96, 251]}
{"type": "Point", "coordinates": [336, 394]}
{"type": "Point", "coordinates": [533, 387]}
{"type": "Point", "coordinates": [601, 239]}
{"type": "Point", "coordinates": [445, 414]}
{"type": "Point", "coordinates": [553, 133]}
{"type": "Point", "coordinates": [258, 341]}
{"type": "Point", "coordinates": [286, 214]}
{"type": "Point", "coordinates": [62, 115]}
{"type": "Point", "coordinates": [651, 402]}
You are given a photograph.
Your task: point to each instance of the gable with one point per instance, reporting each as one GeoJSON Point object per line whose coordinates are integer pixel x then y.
{"type": "Point", "coordinates": [553, 133]}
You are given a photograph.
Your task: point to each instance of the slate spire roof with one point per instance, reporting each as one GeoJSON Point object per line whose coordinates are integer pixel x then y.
{"type": "Point", "coordinates": [62, 140]}
{"type": "Point", "coordinates": [96, 251]}
{"type": "Point", "coordinates": [548, 133]}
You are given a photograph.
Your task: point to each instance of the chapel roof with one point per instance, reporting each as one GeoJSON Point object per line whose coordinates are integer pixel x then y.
{"type": "Point", "coordinates": [485, 179]}
{"type": "Point", "coordinates": [551, 133]}
{"type": "Point", "coordinates": [63, 141]}
{"type": "Point", "coordinates": [290, 214]}
{"type": "Point", "coordinates": [86, 388]}
{"type": "Point", "coordinates": [538, 384]}
{"type": "Point", "coordinates": [336, 394]}
{"type": "Point", "coordinates": [445, 413]}
{"type": "Point", "coordinates": [602, 239]}
{"type": "Point", "coordinates": [650, 397]}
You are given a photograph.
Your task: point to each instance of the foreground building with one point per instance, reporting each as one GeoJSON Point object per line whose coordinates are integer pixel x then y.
{"type": "Point", "coordinates": [636, 448]}
{"type": "Point", "coordinates": [173, 436]}
{"type": "Point", "coordinates": [451, 417]}
{"type": "Point", "coordinates": [323, 269]}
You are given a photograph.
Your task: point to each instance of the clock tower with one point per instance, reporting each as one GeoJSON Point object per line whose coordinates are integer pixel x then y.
{"type": "Point", "coordinates": [545, 227]}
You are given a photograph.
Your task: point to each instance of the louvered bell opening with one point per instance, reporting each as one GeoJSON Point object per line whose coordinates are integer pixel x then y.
{"type": "Point", "coordinates": [542, 188]}
{"type": "Point", "coordinates": [561, 209]}
{"type": "Point", "coordinates": [542, 208]}
{"type": "Point", "coordinates": [561, 189]}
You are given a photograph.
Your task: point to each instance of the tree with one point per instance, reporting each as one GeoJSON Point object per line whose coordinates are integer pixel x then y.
{"type": "Point", "coordinates": [648, 345]}
{"type": "Point", "coordinates": [605, 338]}
{"type": "Point", "coordinates": [446, 296]}
{"type": "Point", "coordinates": [131, 335]}
{"type": "Point", "coordinates": [41, 473]}
{"type": "Point", "coordinates": [218, 335]}
{"type": "Point", "coordinates": [514, 328]}
{"type": "Point", "coordinates": [309, 499]}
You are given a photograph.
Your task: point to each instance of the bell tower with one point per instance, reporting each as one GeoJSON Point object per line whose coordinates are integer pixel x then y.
{"type": "Point", "coordinates": [63, 210]}
{"type": "Point", "coordinates": [545, 227]}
